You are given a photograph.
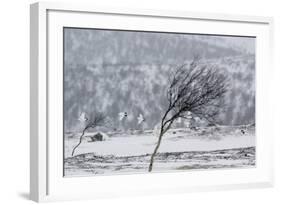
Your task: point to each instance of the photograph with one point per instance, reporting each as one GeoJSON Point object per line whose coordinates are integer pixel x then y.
{"type": "Point", "coordinates": [139, 102]}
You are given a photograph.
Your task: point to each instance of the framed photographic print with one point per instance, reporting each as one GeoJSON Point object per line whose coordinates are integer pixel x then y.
{"type": "Point", "coordinates": [128, 102]}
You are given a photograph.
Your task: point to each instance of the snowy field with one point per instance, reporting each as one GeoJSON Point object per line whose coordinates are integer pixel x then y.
{"type": "Point", "coordinates": [181, 149]}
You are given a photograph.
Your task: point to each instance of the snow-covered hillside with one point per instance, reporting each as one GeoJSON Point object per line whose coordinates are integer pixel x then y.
{"type": "Point", "coordinates": [142, 89]}
{"type": "Point", "coordinates": [123, 71]}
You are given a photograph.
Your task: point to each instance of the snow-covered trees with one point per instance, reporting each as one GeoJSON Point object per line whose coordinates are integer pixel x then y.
{"type": "Point", "coordinates": [194, 88]}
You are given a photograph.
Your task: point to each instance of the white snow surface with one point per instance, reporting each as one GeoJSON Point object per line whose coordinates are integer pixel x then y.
{"type": "Point", "coordinates": [176, 140]}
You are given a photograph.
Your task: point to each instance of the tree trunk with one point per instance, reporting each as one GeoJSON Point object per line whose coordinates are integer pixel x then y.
{"type": "Point", "coordinates": [155, 151]}
{"type": "Point", "coordinates": [80, 141]}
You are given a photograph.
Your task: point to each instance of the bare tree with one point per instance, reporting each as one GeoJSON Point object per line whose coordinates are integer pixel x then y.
{"type": "Point", "coordinates": [96, 119]}
{"type": "Point", "coordinates": [194, 88]}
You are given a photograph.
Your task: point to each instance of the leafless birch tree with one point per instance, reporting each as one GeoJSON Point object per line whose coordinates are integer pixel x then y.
{"type": "Point", "coordinates": [94, 120]}
{"type": "Point", "coordinates": [196, 88]}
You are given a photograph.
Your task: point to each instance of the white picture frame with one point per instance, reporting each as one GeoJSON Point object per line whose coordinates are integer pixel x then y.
{"type": "Point", "coordinates": [46, 180]}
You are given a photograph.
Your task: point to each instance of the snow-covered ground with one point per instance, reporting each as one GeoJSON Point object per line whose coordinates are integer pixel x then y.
{"type": "Point", "coordinates": [180, 149]}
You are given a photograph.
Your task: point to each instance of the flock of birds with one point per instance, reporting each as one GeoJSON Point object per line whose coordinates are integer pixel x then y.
{"type": "Point", "coordinates": [140, 119]}
{"type": "Point", "coordinates": [122, 117]}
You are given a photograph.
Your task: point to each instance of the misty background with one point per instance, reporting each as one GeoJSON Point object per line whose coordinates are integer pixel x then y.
{"type": "Point", "coordinates": [126, 71]}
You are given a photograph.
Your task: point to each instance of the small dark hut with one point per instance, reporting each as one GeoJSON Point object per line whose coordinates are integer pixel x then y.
{"type": "Point", "coordinates": [96, 137]}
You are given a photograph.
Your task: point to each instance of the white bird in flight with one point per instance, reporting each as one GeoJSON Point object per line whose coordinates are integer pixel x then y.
{"type": "Point", "coordinates": [140, 119]}
{"type": "Point", "coordinates": [122, 115]}
{"type": "Point", "coordinates": [82, 117]}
